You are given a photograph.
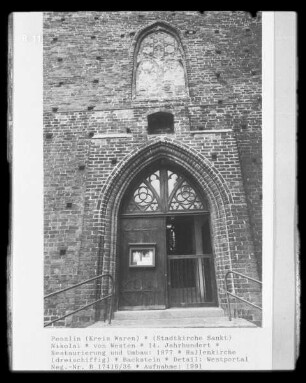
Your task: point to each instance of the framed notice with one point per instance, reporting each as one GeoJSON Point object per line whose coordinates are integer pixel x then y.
{"type": "Point", "coordinates": [142, 255]}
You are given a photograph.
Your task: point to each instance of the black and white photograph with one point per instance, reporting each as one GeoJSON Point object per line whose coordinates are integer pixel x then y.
{"type": "Point", "coordinates": [156, 188]}
{"type": "Point", "coordinates": [153, 133]}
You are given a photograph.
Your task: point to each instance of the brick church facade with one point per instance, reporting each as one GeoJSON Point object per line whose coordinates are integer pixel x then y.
{"type": "Point", "coordinates": [152, 159]}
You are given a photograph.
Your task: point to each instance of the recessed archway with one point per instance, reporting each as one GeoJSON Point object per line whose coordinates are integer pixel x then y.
{"type": "Point", "coordinates": [165, 253]}
{"type": "Point", "coordinates": [190, 162]}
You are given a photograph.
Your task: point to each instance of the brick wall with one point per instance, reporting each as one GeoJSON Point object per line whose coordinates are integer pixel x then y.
{"type": "Point", "coordinates": [95, 130]}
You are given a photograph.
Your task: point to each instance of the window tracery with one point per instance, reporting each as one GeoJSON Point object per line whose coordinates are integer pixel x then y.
{"type": "Point", "coordinates": [162, 191]}
{"type": "Point", "coordinates": [160, 67]}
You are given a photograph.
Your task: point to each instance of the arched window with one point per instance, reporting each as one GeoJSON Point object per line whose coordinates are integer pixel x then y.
{"type": "Point", "coordinates": [160, 122]}
{"type": "Point", "coordinates": [159, 69]}
{"type": "Point", "coordinates": [164, 191]}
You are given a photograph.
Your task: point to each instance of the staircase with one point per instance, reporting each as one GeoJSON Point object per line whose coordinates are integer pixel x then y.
{"type": "Point", "coordinates": [175, 317]}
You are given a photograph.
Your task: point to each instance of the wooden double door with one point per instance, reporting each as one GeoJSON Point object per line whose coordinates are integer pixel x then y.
{"type": "Point", "coordinates": [166, 261]}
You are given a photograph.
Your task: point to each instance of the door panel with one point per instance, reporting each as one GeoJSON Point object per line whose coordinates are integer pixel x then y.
{"type": "Point", "coordinates": [142, 287]}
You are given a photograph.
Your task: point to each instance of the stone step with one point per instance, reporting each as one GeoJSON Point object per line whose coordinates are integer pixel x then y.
{"type": "Point", "coordinates": [173, 313]}
{"type": "Point", "coordinates": [208, 322]}
{"type": "Point", "coordinates": [175, 317]}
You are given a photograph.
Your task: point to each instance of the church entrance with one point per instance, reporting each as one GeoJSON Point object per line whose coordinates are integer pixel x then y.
{"type": "Point", "coordinates": [166, 257]}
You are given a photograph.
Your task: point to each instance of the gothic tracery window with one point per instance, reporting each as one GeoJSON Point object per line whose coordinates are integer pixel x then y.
{"type": "Point", "coordinates": [183, 196]}
{"type": "Point", "coordinates": [146, 196]}
{"type": "Point", "coordinates": [164, 191]}
{"type": "Point", "coordinates": [160, 67]}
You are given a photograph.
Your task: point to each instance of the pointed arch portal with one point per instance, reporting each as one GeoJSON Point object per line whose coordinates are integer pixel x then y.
{"type": "Point", "coordinates": [129, 231]}
{"type": "Point", "coordinates": [165, 245]}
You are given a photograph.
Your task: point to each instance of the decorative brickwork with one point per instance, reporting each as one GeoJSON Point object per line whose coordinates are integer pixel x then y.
{"type": "Point", "coordinates": [98, 94]}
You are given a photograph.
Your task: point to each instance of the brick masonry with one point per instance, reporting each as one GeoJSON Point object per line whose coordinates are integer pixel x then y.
{"type": "Point", "coordinates": [96, 140]}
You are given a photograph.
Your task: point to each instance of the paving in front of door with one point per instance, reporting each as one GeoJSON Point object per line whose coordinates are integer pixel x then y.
{"type": "Point", "coordinates": [184, 318]}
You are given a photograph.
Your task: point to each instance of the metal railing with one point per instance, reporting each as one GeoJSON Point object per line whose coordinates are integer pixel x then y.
{"type": "Point", "coordinates": [228, 293]}
{"type": "Point", "coordinates": [111, 295]}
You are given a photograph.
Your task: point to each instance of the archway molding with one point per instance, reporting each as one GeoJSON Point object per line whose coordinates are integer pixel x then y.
{"type": "Point", "coordinates": [196, 166]}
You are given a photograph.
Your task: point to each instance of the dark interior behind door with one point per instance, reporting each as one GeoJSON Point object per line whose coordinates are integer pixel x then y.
{"type": "Point", "coordinates": [190, 262]}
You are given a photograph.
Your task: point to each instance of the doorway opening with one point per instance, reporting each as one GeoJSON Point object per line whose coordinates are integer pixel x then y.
{"type": "Point", "coordinates": [166, 253]}
{"type": "Point", "coordinates": [190, 264]}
